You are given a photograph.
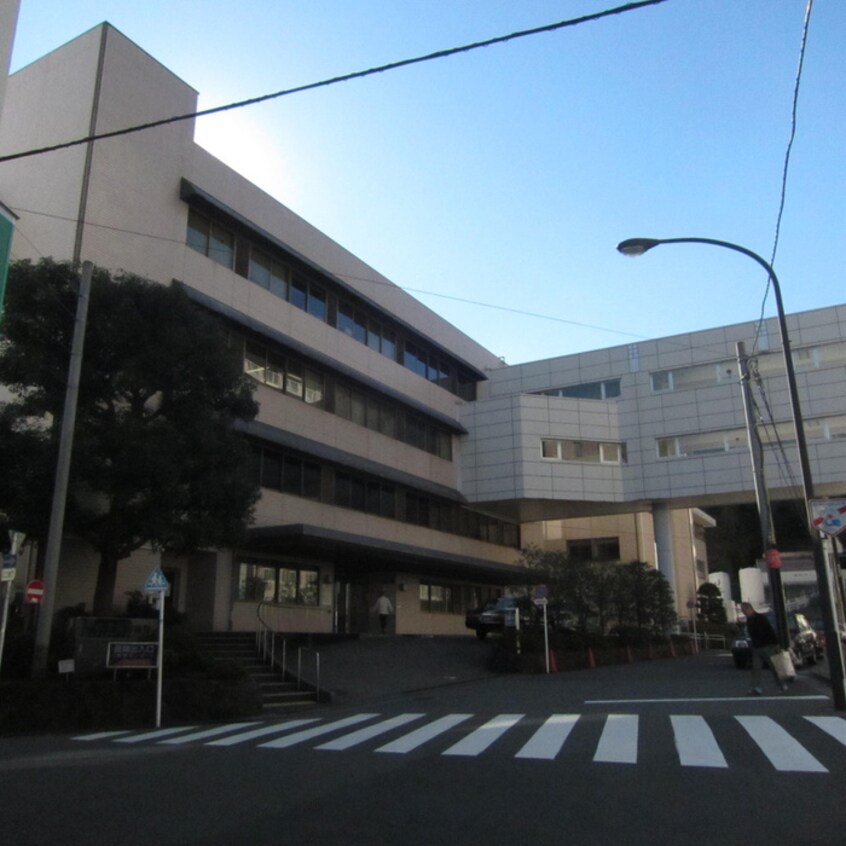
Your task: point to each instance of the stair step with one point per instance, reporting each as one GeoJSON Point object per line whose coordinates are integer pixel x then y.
{"type": "Point", "coordinates": [290, 694]}
{"type": "Point", "coordinates": [281, 706]}
{"type": "Point", "coordinates": [273, 688]}
{"type": "Point", "coordinates": [277, 693]}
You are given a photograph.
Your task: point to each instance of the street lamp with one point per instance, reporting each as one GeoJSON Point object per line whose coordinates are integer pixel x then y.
{"type": "Point", "coordinates": [637, 247]}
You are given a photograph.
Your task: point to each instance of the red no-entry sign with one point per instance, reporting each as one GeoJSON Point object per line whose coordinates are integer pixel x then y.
{"type": "Point", "coordinates": [34, 592]}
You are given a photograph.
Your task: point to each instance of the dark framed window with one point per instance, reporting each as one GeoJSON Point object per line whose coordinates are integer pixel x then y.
{"type": "Point", "coordinates": [352, 322]}
{"type": "Point", "coordinates": [209, 238]}
{"type": "Point", "coordinates": [268, 273]}
{"type": "Point", "coordinates": [298, 295]}
{"type": "Point", "coordinates": [271, 471]}
{"type": "Point", "coordinates": [274, 270]}
{"type": "Point", "coordinates": [317, 302]}
{"type": "Point", "coordinates": [594, 549]}
{"type": "Point", "coordinates": [283, 583]}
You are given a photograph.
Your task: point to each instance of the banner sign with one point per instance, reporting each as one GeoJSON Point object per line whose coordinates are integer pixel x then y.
{"type": "Point", "coordinates": [828, 515]}
{"type": "Point", "coordinates": [128, 655]}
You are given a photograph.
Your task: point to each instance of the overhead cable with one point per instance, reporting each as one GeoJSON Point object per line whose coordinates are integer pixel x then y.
{"type": "Point", "coordinates": [439, 54]}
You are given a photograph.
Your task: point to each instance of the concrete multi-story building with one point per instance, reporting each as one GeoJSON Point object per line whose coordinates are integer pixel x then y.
{"type": "Point", "coordinates": [396, 453]}
{"type": "Point", "coordinates": [655, 429]}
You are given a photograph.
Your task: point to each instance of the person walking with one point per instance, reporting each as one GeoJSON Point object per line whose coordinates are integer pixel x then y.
{"type": "Point", "coordinates": [764, 645]}
{"type": "Point", "coordinates": [383, 608]}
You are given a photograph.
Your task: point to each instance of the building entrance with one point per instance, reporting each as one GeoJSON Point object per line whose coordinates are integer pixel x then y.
{"type": "Point", "coordinates": [351, 611]}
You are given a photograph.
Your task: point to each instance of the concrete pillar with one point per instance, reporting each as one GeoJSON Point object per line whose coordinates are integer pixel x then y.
{"type": "Point", "coordinates": [661, 519]}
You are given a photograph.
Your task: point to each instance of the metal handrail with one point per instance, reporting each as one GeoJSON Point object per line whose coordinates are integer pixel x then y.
{"type": "Point", "coordinates": [316, 654]}
{"type": "Point", "coordinates": [266, 639]}
{"type": "Point", "coordinates": [706, 638]}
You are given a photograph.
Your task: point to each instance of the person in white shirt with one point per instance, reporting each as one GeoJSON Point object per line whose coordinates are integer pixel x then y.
{"type": "Point", "coordinates": [383, 608]}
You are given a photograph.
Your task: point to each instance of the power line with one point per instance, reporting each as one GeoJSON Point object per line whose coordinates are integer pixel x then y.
{"type": "Point", "coordinates": [439, 54]}
{"type": "Point", "coordinates": [722, 353]}
{"type": "Point", "coordinates": [786, 167]}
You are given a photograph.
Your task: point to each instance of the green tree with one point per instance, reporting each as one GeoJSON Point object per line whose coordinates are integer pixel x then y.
{"type": "Point", "coordinates": [644, 598]}
{"type": "Point", "coordinates": [156, 457]}
{"type": "Point", "coordinates": [709, 604]}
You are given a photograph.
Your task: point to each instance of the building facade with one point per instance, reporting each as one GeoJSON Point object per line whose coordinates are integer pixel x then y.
{"type": "Point", "coordinates": [395, 452]}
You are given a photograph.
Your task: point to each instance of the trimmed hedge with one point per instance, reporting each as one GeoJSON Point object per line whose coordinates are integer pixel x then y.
{"type": "Point", "coordinates": [581, 651]}
{"type": "Point", "coordinates": [82, 705]}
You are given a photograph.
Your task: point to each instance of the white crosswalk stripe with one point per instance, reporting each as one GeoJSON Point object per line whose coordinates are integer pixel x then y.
{"type": "Point", "coordinates": [424, 734]}
{"type": "Point", "coordinates": [785, 753]}
{"type": "Point", "coordinates": [262, 731]}
{"type": "Point", "coordinates": [102, 735]}
{"type": "Point", "coordinates": [834, 726]}
{"type": "Point", "coordinates": [618, 743]}
{"type": "Point", "coordinates": [153, 735]}
{"type": "Point", "coordinates": [347, 741]}
{"type": "Point", "coordinates": [547, 741]}
{"type": "Point", "coordinates": [618, 740]}
{"type": "Point", "coordinates": [197, 736]}
{"type": "Point", "coordinates": [695, 742]}
{"type": "Point", "coordinates": [483, 737]}
{"type": "Point", "coordinates": [317, 731]}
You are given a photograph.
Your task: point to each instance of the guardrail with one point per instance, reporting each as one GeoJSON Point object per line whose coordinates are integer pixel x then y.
{"type": "Point", "coordinates": [273, 649]}
{"type": "Point", "coordinates": [707, 639]}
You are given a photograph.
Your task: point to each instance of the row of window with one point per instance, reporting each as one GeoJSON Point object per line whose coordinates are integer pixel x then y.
{"type": "Point", "coordinates": [359, 322]}
{"type": "Point", "coordinates": [594, 549]}
{"type": "Point", "coordinates": [713, 373]}
{"type": "Point", "coordinates": [697, 443]}
{"type": "Point", "coordinates": [765, 364]}
{"type": "Point", "coordinates": [292, 585]}
{"type": "Point", "coordinates": [445, 598]}
{"type": "Point", "coordinates": [607, 389]}
{"type": "Point", "coordinates": [286, 373]}
{"type": "Point", "coordinates": [596, 452]}
{"type": "Point", "coordinates": [304, 477]}
{"type": "Point", "coordinates": [729, 440]}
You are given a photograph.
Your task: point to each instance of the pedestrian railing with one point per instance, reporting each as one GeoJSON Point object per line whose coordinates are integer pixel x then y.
{"type": "Point", "coordinates": [273, 649]}
{"type": "Point", "coordinates": [708, 641]}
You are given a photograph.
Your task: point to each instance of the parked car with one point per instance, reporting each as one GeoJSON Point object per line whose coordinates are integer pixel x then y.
{"type": "Point", "coordinates": [471, 618]}
{"type": "Point", "coordinates": [492, 617]}
{"type": "Point", "coordinates": [804, 643]}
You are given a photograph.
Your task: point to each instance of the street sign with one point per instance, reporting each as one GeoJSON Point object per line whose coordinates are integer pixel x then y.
{"type": "Point", "coordinates": [34, 592]}
{"type": "Point", "coordinates": [156, 582]}
{"type": "Point", "coordinates": [7, 574]}
{"type": "Point", "coordinates": [829, 515]}
{"type": "Point", "coordinates": [122, 655]}
{"type": "Point", "coordinates": [539, 595]}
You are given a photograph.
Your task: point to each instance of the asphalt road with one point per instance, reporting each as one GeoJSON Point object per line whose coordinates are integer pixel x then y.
{"type": "Point", "coordinates": [664, 752]}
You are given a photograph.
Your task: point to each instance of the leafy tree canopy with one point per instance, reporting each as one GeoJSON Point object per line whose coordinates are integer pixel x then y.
{"type": "Point", "coordinates": [156, 458]}
{"type": "Point", "coordinates": [709, 604]}
{"type": "Point", "coordinates": [599, 593]}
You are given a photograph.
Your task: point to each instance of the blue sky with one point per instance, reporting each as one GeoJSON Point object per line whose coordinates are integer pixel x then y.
{"type": "Point", "coordinates": [506, 176]}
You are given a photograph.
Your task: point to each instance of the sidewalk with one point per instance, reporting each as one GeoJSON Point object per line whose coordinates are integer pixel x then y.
{"type": "Point", "coordinates": [378, 666]}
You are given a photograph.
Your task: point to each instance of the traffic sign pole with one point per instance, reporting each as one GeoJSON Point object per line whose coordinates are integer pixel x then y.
{"type": "Point", "coordinates": [8, 585]}
{"type": "Point", "coordinates": [161, 661]}
{"type": "Point", "coordinates": [158, 583]}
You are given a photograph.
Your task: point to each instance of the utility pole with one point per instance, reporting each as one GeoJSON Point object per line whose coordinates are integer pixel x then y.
{"type": "Point", "coordinates": [768, 539]}
{"type": "Point", "coordinates": [60, 488]}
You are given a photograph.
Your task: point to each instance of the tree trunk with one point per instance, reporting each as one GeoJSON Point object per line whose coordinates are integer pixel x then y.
{"type": "Point", "coordinates": [104, 593]}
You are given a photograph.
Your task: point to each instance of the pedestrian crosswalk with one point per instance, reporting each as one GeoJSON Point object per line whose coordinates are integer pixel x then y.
{"type": "Point", "coordinates": [614, 738]}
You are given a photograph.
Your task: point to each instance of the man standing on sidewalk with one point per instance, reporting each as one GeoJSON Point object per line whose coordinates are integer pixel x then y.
{"type": "Point", "coordinates": [764, 644]}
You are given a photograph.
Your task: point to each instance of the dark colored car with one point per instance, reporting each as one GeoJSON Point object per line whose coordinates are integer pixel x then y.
{"type": "Point", "coordinates": [471, 618]}
{"type": "Point", "coordinates": [492, 617]}
{"type": "Point", "coordinates": [804, 643]}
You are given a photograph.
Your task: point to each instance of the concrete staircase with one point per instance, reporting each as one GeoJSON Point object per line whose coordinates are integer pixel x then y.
{"type": "Point", "coordinates": [278, 693]}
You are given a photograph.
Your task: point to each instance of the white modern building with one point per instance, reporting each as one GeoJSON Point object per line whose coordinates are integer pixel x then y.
{"type": "Point", "coordinates": [396, 453]}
